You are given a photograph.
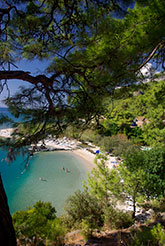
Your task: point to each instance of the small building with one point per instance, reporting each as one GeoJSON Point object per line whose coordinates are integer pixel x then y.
{"type": "Point", "coordinates": [141, 120]}
{"type": "Point", "coordinates": [137, 93]}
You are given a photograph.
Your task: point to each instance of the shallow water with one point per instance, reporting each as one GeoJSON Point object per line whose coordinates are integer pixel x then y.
{"type": "Point", "coordinates": [25, 189]}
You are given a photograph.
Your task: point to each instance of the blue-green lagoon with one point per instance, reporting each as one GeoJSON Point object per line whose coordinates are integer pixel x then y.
{"type": "Point", "coordinates": [25, 188]}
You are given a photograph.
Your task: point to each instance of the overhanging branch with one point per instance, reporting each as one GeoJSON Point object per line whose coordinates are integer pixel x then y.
{"type": "Point", "coordinates": [149, 57]}
{"type": "Point", "coordinates": [25, 76]}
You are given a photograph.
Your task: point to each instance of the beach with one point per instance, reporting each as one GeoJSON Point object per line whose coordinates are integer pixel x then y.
{"type": "Point", "coordinates": [69, 147]}
{"type": "Point", "coordinates": [65, 144]}
{"type": "Point", "coordinates": [87, 156]}
{"type": "Point", "coordinates": [6, 133]}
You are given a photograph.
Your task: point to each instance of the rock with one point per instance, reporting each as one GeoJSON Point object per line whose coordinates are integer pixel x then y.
{"type": "Point", "coordinates": [151, 211]}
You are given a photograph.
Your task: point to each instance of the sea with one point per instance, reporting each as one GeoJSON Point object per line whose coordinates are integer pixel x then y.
{"type": "Point", "coordinates": [25, 187]}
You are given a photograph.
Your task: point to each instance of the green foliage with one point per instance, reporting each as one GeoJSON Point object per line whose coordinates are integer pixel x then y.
{"type": "Point", "coordinates": [89, 53]}
{"type": "Point", "coordinates": [38, 223]}
{"type": "Point", "coordinates": [140, 176]}
{"type": "Point", "coordinates": [154, 165]}
{"type": "Point", "coordinates": [149, 237]}
{"type": "Point", "coordinates": [117, 219]}
{"type": "Point", "coordinates": [72, 132]}
{"type": "Point", "coordinates": [87, 135]}
{"type": "Point", "coordinates": [86, 229]}
{"type": "Point", "coordinates": [83, 207]}
{"type": "Point", "coordinates": [149, 104]}
{"type": "Point", "coordinates": [108, 186]}
{"type": "Point", "coordinates": [132, 184]}
{"type": "Point", "coordinates": [103, 183]}
{"type": "Point", "coordinates": [56, 231]}
{"type": "Point", "coordinates": [110, 128]}
{"type": "Point", "coordinates": [116, 144]}
{"type": "Point", "coordinates": [90, 135]}
{"type": "Point", "coordinates": [97, 139]}
{"type": "Point", "coordinates": [151, 163]}
{"type": "Point", "coordinates": [158, 234]}
{"type": "Point", "coordinates": [158, 205]}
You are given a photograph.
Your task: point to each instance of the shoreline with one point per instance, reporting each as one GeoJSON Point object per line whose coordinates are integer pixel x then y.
{"type": "Point", "coordinates": [65, 144]}
{"type": "Point", "coordinates": [87, 157]}
{"type": "Point", "coordinates": [6, 132]}
{"type": "Point", "coordinates": [72, 146]}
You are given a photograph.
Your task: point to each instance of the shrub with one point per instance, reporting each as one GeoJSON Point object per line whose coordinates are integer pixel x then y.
{"type": "Point", "coordinates": [149, 236]}
{"type": "Point", "coordinates": [158, 205]}
{"type": "Point", "coordinates": [88, 135]}
{"type": "Point", "coordinates": [158, 234]}
{"type": "Point", "coordinates": [72, 132]}
{"type": "Point", "coordinates": [38, 224]}
{"type": "Point", "coordinates": [86, 229]}
{"type": "Point", "coordinates": [97, 139]}
{"type": "Point", "coordinates": [115, 144]}
{"type": "Point", "coordinates": [56, 231]}
{"type": "Point", "coordinates": [116, 219]}
{"type": "Point", "coordinates": [83, 206]}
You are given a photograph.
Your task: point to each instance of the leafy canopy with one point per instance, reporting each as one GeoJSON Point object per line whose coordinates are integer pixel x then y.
{"type": "Point", "coordinates": [38, 223]}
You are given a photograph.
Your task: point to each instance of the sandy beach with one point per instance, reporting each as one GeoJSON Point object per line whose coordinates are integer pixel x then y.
{"type": "Point", "coordinates": [73, 146]}
{"type": "Point", "coordinates": [66, 144]}
{"type": "Point", "coordinates": [6, 133]}
{"type": "Point", "coordinates": [86, 156]}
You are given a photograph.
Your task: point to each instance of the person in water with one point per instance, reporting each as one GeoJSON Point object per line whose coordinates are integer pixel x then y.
{"type": "Point", "coordinates": [63, 168]}
{"type": "Point", "coordinates": [42, 179]}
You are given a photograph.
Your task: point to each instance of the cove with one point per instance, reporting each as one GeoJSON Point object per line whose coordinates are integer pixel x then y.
{"type": "Point", "coordinates": [24, 189]}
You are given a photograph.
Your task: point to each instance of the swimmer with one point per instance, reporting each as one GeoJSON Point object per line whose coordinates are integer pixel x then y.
{"type": "Point", "coordinates": [42, 179]}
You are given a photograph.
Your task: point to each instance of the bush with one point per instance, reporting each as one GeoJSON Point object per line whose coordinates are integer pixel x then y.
{"type": "Point", "coordinates": [72, 132]}
{"type": "Point", "coordinates": [83, 206]}
{"type": "Point", "coordinates": [110, 128]}
{"type": "Point", "coordinates": [117, 219]}
{"type": "Point", "coordinates": [149, 237]}
{"type": "Point", "coordinates": [92, 136]}
{"type": "Point", "coordinates": [38, 224]}
{"type": "Point", "coordinates": [87, 135]}
{"type": "Point", "coordinates": [115, 144]}
{"type": "Point", "coordinates": [56, 231]}
{"type": "Point", "coordinates": [97, 139]}
{"type": "Point", "coordinates": [86, 229]}
{"type": "Point", "coordinates": [158, 205]}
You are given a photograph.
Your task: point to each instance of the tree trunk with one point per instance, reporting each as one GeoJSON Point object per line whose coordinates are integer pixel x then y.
{"type": "Point", "coordinates": [7, 233]}
{"type": "Point", "coordinates": [134, 208]}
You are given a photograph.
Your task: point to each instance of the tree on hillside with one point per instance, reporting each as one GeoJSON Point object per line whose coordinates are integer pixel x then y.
{"type": "Point", "coordinates": [152, 162]}
{"type": "Point", "coordinates": [141, 175]}
{"type": "Point", "coordinates": [115, 185]}
{"type": "Point", "coordinates": [103, 183]}
{"type": "Point", "coordinates": [90, 50]}
{"type": "Point", "coordinates": [149, 104]}
{"type": "Point", "coordinates": [38, 224]}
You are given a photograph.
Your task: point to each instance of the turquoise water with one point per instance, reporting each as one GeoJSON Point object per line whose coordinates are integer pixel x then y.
{"type": "Point", "coordinates": [25, 189]}
{"type": "Point", "coordinates": [6, 112]}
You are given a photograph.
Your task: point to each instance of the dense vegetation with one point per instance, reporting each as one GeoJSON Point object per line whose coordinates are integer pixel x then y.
{"type": "Point", "coordinates": [121, 118]}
